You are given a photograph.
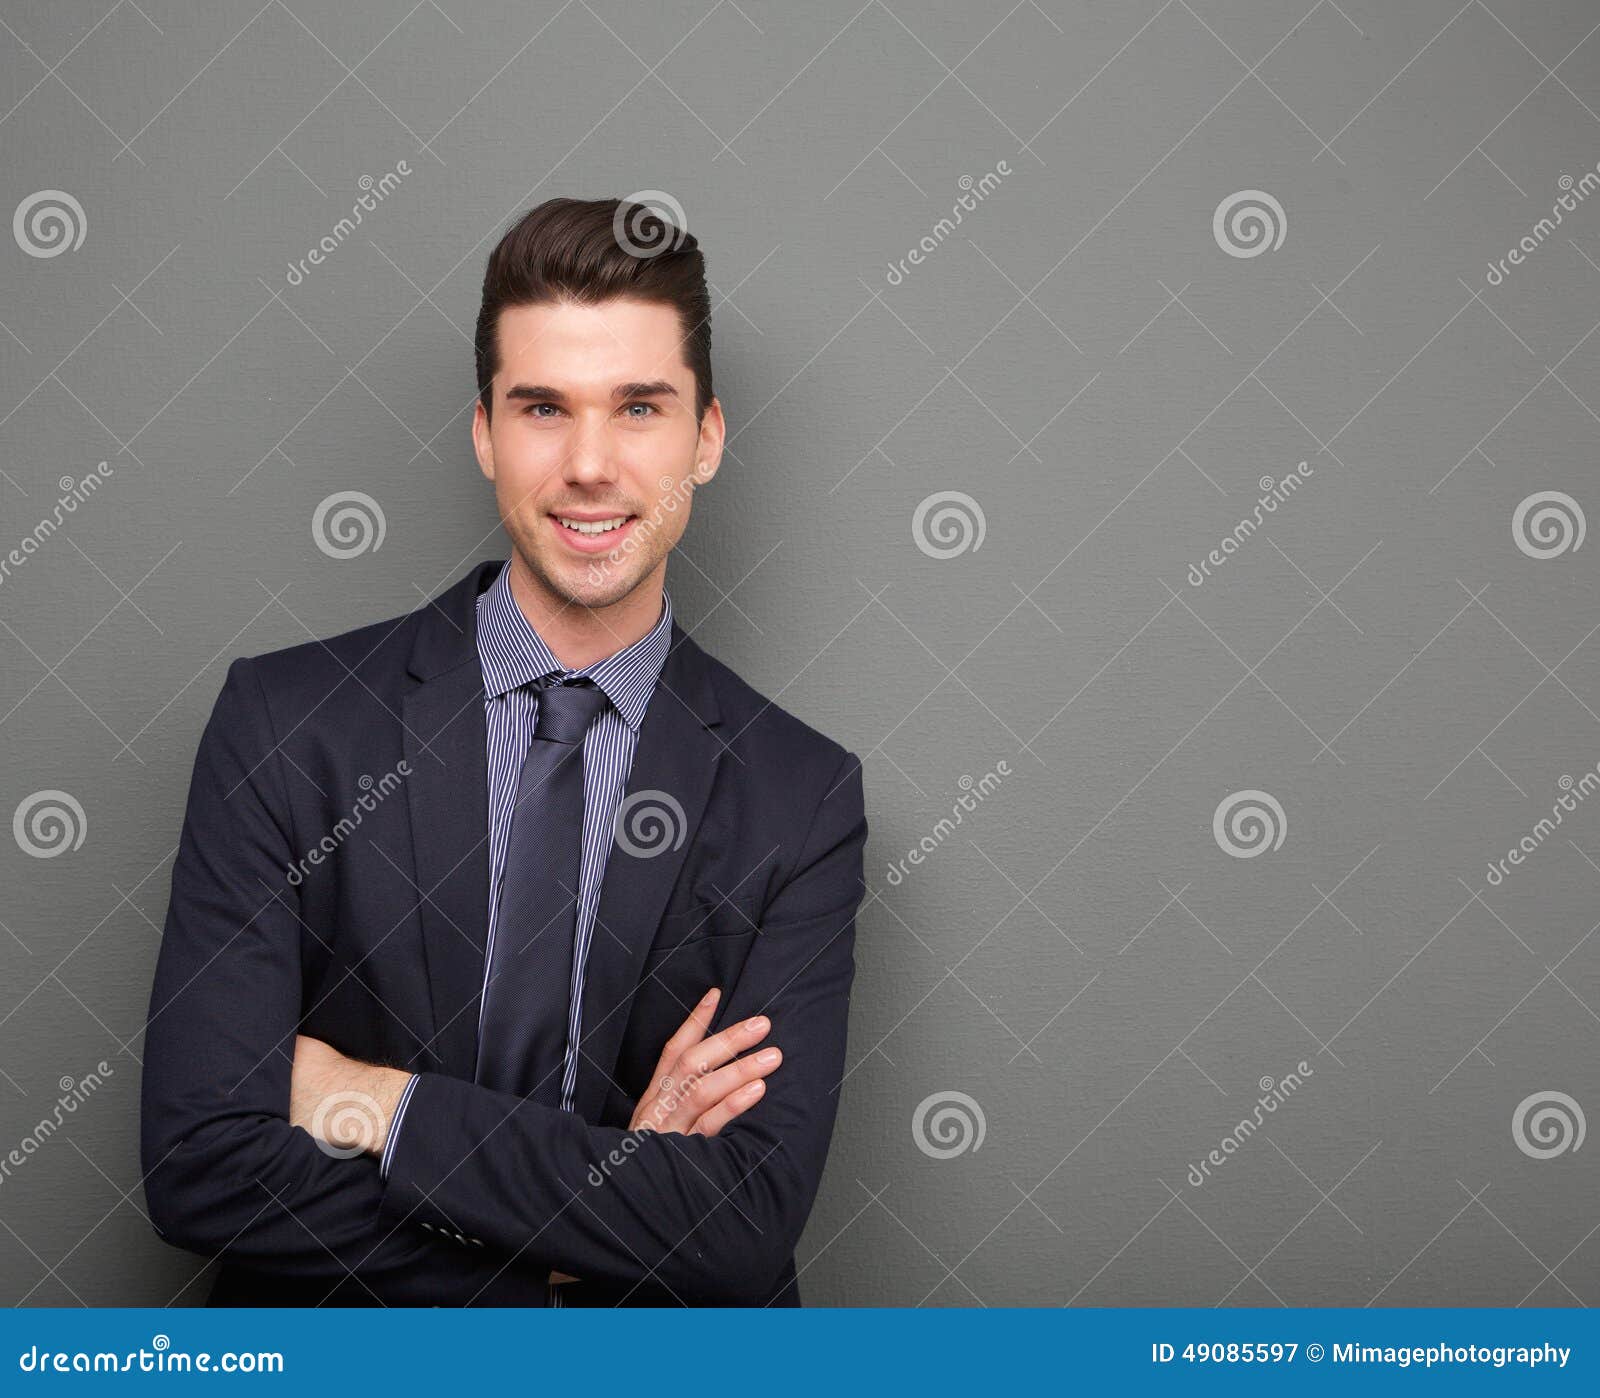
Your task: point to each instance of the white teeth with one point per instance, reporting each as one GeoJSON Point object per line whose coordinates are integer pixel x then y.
{"type": "Point", "coordinates": [599, 526]}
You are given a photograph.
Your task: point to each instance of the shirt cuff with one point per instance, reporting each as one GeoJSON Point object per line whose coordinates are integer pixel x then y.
{"type": "Point", "coordinates": [394, 1127]}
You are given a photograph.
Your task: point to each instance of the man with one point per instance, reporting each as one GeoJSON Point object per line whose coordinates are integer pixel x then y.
{"type": "Point", "coordinates": [487, 920]}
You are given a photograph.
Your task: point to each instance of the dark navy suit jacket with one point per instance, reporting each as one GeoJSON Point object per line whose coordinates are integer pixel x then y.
{"type": "Point", "coordinates": [358, 763]}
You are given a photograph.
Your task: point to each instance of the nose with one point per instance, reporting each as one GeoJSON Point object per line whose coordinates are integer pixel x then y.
{"type": "Point", "coordinates": [588, 462]}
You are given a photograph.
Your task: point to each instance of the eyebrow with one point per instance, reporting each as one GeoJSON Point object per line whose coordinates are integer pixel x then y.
{"type": "Point", "coordinates": [651, 388]}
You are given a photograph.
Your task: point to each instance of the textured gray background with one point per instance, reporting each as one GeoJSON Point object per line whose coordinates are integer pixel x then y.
{"type": "Point", "coordinates": [1079, 957]}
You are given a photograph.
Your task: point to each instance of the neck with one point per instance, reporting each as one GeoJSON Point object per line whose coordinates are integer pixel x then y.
{"type": "Point", "coordinates": [578, 635]}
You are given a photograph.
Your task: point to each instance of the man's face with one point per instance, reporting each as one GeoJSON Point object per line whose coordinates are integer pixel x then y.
{"type": "Point", "coordinates": [593, 423]}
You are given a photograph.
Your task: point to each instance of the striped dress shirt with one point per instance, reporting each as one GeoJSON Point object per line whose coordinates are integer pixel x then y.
{"type": "Point", "coordinates": [514, 658]}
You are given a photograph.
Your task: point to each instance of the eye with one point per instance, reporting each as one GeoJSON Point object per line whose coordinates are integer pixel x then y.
{"type": "Point", "coordinates": [532, 409]}
{"type": "Point", "coordinates": [651, 406]}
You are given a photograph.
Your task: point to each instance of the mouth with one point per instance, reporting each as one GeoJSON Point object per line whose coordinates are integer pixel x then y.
{"type": "Point", "coordinates": [599, 534]}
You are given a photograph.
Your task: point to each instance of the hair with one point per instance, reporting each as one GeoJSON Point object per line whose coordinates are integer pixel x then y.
{"type": "Point", "coordinates": [593, 250]}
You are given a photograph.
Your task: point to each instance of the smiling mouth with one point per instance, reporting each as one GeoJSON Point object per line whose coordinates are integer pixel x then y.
{"type": "Point", "coordinates": [593, 529]}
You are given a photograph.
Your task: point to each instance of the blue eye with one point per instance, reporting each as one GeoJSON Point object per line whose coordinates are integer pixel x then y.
{"type": "Point", "coordinates": [651, 406]}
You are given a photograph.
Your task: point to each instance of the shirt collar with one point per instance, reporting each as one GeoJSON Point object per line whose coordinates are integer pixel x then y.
{"type": "Point", "coordinates": [513, 654]}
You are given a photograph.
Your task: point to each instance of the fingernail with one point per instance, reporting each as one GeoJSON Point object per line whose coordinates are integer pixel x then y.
{"type": "Point", "coordinates": [710, 995]}
{"type": "Point", "coordinates": [759, 1025]}
{"type": "Point", "coordinates": [770, 1055]}
{"type": "Point", "coordinates": [754, 1089]}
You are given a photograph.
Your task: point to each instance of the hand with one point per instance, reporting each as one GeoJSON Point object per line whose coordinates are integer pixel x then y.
{"type": "Point", "coordinates": [691, 1092]}
{"type": "Point", "coordinates": [686, 1095]}
{"type": "Point", "coordinates": [347, 1105]}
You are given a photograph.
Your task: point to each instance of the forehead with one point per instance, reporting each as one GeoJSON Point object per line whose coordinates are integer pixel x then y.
{"type": "Point", "coordinates": [579, 346]}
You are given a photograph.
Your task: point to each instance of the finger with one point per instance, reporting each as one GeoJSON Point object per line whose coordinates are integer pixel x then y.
{"type": "Point", "coordinates": [740, 1100]}
{"type": "Point", "coordinates": [692, 1097]}
{"type": "Point", "coordinates": [699, 1059]}
{"type": "Point", "coordinates": [689, 1033]}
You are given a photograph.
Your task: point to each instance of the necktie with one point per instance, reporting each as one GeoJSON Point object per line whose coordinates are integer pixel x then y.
{"type": "Point", "coordinates": [522, 1036]}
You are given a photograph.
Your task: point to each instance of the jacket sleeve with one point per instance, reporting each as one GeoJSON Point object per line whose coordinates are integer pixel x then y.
{"type": "Point", "coordinates": [712, 1220]}
{"type": "Point", "coordinates": [225, 1172]}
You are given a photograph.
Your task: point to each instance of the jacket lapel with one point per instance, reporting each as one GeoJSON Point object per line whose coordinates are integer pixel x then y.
{"type": "Point", "coordinates": [445, 740]}
{"type": "Point", "coordinates": [674, 764]}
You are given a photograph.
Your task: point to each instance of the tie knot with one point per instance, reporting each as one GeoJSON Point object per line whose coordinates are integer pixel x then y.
{"type": "Point", "coordinates": [566, 710]}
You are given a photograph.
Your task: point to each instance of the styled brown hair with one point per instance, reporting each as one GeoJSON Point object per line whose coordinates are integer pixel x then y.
{"type": "Point", "coordinates": [591, 250]}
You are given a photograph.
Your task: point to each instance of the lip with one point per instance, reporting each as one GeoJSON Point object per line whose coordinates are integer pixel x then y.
{"type": "Point", "coordinates": [591, 543]}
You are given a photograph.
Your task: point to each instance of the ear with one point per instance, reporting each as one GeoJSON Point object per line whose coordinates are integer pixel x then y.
{"type": "Point", "coordinates": [708, 451]}
{"type": "Point", "coordinates": [482, 443]}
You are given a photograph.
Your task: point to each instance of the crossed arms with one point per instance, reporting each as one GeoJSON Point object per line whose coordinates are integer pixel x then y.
{"type": "Point", "coordinates": [711, 1218]}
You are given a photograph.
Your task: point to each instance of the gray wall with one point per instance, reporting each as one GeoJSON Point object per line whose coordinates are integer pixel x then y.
{"type": "Point", "coordinates": [1079, 964]}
